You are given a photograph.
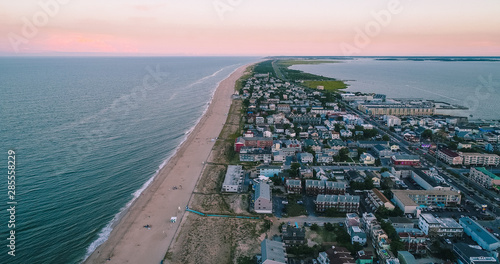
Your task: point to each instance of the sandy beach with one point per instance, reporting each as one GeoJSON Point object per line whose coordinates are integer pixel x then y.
{"type": "Point", "coordinates": [130, 241]}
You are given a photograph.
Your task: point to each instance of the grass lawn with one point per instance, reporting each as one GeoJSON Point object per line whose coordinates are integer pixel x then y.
{"type": "Point", "coordinates": [294, 209]}
{"type": "Point", "coordinates": [288, 63]}
{"type": "Point", "coordinates": [325, 236]}
{"type": "Point", "coordinates": [330, 86]}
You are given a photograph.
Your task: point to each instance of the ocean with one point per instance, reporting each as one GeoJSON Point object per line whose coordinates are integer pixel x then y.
{"type": "Point", "coordinates": [89, 135]}
{"type": "Point", "coordinates": [474, 84]}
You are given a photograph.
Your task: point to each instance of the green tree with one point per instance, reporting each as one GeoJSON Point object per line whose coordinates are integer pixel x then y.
{"type": "Point", "coordinates": [314, 227]}
{"type": "Point", "coordinates": [329, 227]}
{"type": "Point", "coordinates": [368, 184]}
{"type": "Point", "coordinates": [396, 245]}
{"type": "Point", "coordinates": [427, 134]}
{"type": "Point", "coordinates": [384, 169]}
{"type": "Point", "coordinates": [386, 138]}
{"type": "Point", "coordinates": [344, 154]}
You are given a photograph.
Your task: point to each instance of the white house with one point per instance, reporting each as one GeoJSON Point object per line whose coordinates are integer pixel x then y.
{"type": "Point", "coordinates": [367, 158]}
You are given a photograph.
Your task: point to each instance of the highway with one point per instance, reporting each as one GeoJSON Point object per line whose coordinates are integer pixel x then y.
{"type": "Point", "coordinates": [484, 196]}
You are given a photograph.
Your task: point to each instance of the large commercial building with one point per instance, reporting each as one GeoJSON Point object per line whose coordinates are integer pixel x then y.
{"type": "Point", "coordinates": [483, 177]}
{"type": "Point", "coordinates": [405, 160]}
{"type": "Point", "coordinates": [411, 200]}
{"type": "Point", "coordinates": [468, 254]}
{"type": "Point", "coordinates": [343, 203]}
{"type": "Point", "coordinates": [251, 154]}
{"type": "Point", "coordinates": [439, 227]}
{"type": "Point", "coordinates": [233, 179]}
{"type": "Point", "coordinates": [429, 180]}
{"type": "Point", "coordinates": [480, 159]}
{"type": "Point", "coordinates": [479, 234]}
{"type": "Point", "coordinates": [398, 109]}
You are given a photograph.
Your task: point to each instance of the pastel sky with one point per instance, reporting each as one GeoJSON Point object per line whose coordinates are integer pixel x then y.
{"type": "Point", "coordinates": [251, 27]}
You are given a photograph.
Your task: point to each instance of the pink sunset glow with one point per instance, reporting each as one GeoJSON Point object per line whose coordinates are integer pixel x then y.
{"type": "Point", "coordinates": [257, 27]}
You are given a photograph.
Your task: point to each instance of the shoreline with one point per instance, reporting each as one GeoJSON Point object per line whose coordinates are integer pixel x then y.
{"type": "Point", "coordinates": [129, 241]}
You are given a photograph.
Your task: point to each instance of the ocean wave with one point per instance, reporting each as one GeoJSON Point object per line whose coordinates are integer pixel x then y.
{"type": "Point", "coordinates": [106, 231]}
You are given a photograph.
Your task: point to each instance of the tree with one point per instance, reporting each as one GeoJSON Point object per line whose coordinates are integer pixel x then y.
{"type": "Point", "coordinates": [397, 245]}
{"type": "Point", "coordinates": [314, 227]}
{"type": "Point", "coordinates": [378, 162]}
{"type": "Point", "coordinates": [344, 154]}
{"type": "Point", "coordinates": [384, 169]}
{"type": "Point", "coordinates": [294, 170]}
{"type": "Point", "coordinates": [427, 134]}
{"type": "Point", "coordinates": [368, 183]}
{"type": "Point", "coordinates": [329, 227]}
{"type": "Point", "coordinates": [386, 138]}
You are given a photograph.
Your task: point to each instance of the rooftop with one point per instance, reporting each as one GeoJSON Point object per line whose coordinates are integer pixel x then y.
{"type": "Point", "coordinates": [488, 173]}
{"type": "Point", "coordinates": [233, 175]}
{"type": "Point", "coordinates": [404, 195]}
{"type": "Point", "coordinates": [449, 153]}
{"type": "Point", "coordinates": [337, 199]}
{"type": "Point", "coordinates": [273, 250]}
{"type": "Point", "coordinates": [262, 190]}
{"type": "Point", "coordinates": [405, 157]}
{"type": "Point", "coordinates": [380, 195]}
{"type": "Point", "coordinates": [470, 252]}
{"type": "Point", "coordinates": [486, 236]}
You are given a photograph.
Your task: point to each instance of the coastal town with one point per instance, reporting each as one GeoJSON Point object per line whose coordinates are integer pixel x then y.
{"type": "Point", "coordinates": [344, 177]}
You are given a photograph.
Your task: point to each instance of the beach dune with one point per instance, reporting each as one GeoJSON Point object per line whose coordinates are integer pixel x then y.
{"type": "Point", "coordinates": [169, 193]}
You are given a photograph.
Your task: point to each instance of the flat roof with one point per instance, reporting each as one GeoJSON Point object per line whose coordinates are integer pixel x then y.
{"type": "Point", "coordinates": [233, 175]}
{"type": "Point", "coordinates": [428, 178]}
{"type": "Point", "coordinates": [404, 195]}
{"type": "Point", "coordinates": [471, 252]}
{"type": "Point", "coordinates": [406, 157]}
{"type": "Point", "coordinates": [479, 230]}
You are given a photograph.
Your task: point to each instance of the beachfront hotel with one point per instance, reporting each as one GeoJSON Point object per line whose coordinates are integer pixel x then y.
{"type": "Point", "coordinates": [409, 200]}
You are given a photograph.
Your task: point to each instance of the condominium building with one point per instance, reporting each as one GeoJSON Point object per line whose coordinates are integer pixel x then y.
{"type": "Point", "coordinates": [481, 159]}
{"type": "Point", "coordinates": [343, 203]}
{"type": "Point", "coordinates": [315, 187]}
{"type": "Point", "coordinates": [293, 186]}
{"type": "Point", "coordinates": [439, 227]}
{"type": "Point", "coordinates": [233, 179]}
{"type": "Point", "coordinates": [449, 156]}
{"type": "Point", "coordinates": [483, 177]}
{"type": "Point", "coordinates": [410, 200]}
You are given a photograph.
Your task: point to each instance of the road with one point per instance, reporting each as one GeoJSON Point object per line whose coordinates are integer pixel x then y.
{"type": "Point", "coordinates": [486, 196]}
